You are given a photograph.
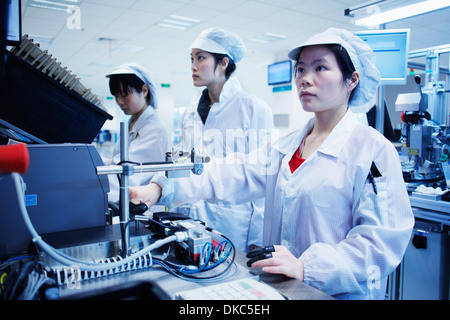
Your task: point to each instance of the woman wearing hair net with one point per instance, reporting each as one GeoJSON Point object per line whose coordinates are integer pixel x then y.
{"type": "Point", "coordinates": [337, 211]}
{"type": "Point", "coordinates": [221, 120]}
{"type": "Point", "coordinates": [135, 93]}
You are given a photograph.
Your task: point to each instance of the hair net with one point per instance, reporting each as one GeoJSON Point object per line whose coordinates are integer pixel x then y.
{"type": "Point", "coordinates": [221, 41]}
{"type": "Point", "coordinates": [141, 73]}
{"type": "Point", "coordinates": [361, 55]}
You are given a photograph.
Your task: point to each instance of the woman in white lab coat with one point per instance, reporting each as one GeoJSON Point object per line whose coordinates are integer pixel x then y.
{"type": "Point", "coordinates": [337, 210]}
{"type": "Point", "coordinates": [224, 119]}
{"type": "Point", "coordinates": [135, 93]}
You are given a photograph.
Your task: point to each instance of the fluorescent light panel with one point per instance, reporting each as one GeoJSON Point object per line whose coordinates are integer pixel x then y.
{"type": "Point", "coordinates": [184, 18]}
{"type": "Point", "coordinates": [178, 22]}
{"type": "Point", "coordinates": [402, 12]}
{"type": "Point", "coordinates": [61, 5]}
{"type": "Point", "coordinates": [268, 38]}
{"type": "Point", "coordinates": [167, 25]}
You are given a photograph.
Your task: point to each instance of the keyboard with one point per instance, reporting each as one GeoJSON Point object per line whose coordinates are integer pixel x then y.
{"type": "Point", "coordinates": [242, 289]}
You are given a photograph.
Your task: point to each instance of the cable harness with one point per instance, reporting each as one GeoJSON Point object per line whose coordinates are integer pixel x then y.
{"type": "Point", "coordinates": [74, 269]}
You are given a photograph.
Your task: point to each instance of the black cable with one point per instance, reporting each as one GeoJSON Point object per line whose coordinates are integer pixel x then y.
{"type": "Point", "coordinates": [173, 269]}
{"type": "Point", "coordinates": [18, 276]}
{"type": "Point", "coordinates": [143, 163]}
{"type": "Point", "coordinates": [18, 281]}
{"type": "Point", "coordinates": [430, 180]}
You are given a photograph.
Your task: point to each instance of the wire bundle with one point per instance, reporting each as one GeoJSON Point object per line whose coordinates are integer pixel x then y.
{"type": "Point", "coordinates": [22, 278]}
{"type": "Point", "coordinates": [75, 269]}
{"type": "Point", "coordinates": [190, 273]}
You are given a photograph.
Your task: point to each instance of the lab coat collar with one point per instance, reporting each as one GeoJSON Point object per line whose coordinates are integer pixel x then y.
{"type": "Point", "coordinates": [289, 143]}
{"type": "Point", "coordinates": [332, 145]}
{"type": "Point", "coordinates": [338, 137]}
{"type": "Point", "coordinates": [230, 88]}
{"type": "Point", "coordinates": [148, 112]}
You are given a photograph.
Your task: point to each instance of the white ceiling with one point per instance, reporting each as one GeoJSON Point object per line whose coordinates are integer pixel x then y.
{"type": "Point", "coordinates": [131, 26]}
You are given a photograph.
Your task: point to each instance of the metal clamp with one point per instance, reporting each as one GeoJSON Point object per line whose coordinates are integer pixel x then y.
{"type": "Point", "coordinates": [127, 168]}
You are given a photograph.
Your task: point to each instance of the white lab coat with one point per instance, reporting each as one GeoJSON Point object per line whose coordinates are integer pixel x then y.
{"type": "Point", "coordinates": [326, 213]}
{"type": "Point", "coordinates": [239, 122]}
{"type": "Point", "coordinates": [148, 142]}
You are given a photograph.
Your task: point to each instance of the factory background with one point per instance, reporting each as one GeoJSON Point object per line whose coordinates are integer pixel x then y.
{"type": "Point", "coordinates": [91, 37]}
{"type": "Point", "coordinates": [94, 36]}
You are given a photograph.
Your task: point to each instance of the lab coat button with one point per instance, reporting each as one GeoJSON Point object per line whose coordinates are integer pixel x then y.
{"type": "Point", "coordinates": [289, 192]}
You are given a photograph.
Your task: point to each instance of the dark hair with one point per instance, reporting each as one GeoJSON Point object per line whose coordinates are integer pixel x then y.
{"type": "Point", "coordinates": [123, 84]}
{"type": "Point", "coordinates": [344, 62]}
{"type": "Point", "coordinates": [231, 65]}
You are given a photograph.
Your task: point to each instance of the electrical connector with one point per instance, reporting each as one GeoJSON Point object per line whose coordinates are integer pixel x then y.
{"type": "Point", "coordinates": [181, 236]}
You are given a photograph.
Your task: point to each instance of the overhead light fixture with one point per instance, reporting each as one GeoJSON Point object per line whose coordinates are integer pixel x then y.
{"type": "Point", "coordinates": [399, 13]}
{"type": "Point", "coordinates": [180, 18]}
{"type": "Point", "coordinates": [173, 26]}
{"type": "Point", "coordinates": [55, 5]}
{"type": "Point", "coordinates": [178, 22]}
{"type": "Point", "coordinates": [268, 38]}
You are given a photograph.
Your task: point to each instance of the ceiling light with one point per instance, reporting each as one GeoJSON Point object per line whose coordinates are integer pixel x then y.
{"type": "Point", "coordinates": [184, 24]}
{"type": "Point", "coordinates": [402, 12]}
{"type": "Point", "coordinates": [184, 18]}
{"type": "Point", "coordinates": [168, 25]}
{"type": "Point", "coordinates": [55, 5]}
{"type": "Point", "coordinates": [268, 38]}
{"type": "Point", "coordinates": [178, 22]}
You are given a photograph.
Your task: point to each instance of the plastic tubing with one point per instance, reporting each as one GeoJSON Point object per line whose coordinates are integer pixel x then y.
{"type": "Point", "coordinates": [66, 260]}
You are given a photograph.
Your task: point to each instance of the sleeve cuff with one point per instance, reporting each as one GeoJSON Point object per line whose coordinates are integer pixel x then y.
{"type": "Point", "coordinates": [167, 187]}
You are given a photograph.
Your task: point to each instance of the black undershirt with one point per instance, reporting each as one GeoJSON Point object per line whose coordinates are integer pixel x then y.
{"type": "Point", "coordinates": [203, 106]}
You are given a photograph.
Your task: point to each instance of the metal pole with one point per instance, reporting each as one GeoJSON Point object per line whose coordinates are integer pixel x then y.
{"type": "Point", "coordinates": [125, 169]}
{"type": "Point", "coordinates": [124, 195]}
{"type": "Point", "coordinates": [145, 168]}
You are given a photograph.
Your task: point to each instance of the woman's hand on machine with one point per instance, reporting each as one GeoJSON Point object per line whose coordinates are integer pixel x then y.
{"type": "Point", "coordinates": [277, 260]}
{"type": "Point", "coordinates": [148, 194]}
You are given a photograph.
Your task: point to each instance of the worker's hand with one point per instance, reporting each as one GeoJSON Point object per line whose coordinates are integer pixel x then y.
{"type": "Point", "coordinates": [281, 262]}
{"type": "Point", "coordinates": [148, 194]}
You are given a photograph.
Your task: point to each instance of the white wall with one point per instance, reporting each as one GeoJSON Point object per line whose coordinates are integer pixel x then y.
{"type": "Point", "coordinates": [166, 109]}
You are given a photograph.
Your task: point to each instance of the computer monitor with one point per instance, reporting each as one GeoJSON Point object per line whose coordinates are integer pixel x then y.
{"type": "Point", "coordinates": [391, 48]}
{"type": "Point", "coordinates": [14, 24]}
{"type": "Point", "coordinates": [280, 72]}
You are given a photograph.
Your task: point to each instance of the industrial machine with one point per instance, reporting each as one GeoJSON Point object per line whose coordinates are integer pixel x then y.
{"type": "Point", "coordinates": [424, 272]}
{"type": "Point", "coordinates": [425, 151]}
{"type": "Point", "coordinates": [56, 229]}
{"type": "Point", "coordinates": [63, 193]}
{"type": "Point", "coordinates": [76, 243]}
{"type": "Point", "coordinates": [426, 133]}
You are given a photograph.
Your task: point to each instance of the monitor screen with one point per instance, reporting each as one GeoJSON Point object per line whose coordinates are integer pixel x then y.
{"type": "Point", "coordinates": [391, 48]}
{"type": "Point", "coordinates": [280, 72]}
{"type": "Point", "coordinates": [14, 26]}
